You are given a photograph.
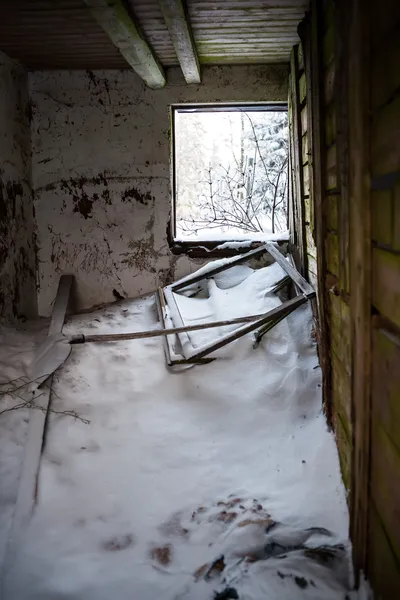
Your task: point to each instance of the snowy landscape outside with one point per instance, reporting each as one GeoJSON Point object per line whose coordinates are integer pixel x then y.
{"type": "Point", "coordinates": [231, 174]}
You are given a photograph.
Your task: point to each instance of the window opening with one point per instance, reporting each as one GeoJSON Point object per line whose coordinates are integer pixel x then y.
{"type": "Point", "coordinates": [230, 173]}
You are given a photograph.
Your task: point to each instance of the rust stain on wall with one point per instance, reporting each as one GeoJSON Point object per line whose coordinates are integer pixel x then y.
{"type": "Point", "coordinates": [133, 193]}
{"type": "Point", "coordinates": [83, 200]}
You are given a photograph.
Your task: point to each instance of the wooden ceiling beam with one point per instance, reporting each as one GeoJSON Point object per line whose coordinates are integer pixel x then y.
{"type": "Point", "coordinates": [178, 24]}
{"type": "Point", "coordinates": [113, 17]}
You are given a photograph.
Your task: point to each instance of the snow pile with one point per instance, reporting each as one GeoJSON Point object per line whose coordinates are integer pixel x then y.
{"type": "Point", "coordinates": [216, 481]}
{"type": "Point", "coordinates": [216, 234]}
{"type": "Point", "coordinates": [240, 291]}
{"type": "Point", "coordinates": [205, 269]}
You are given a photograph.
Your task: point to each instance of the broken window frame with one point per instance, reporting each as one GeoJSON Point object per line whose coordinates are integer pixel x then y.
{"type": "Point", "coordinates": [210, 248]}
{"type": "Point", "coordinates": [261, 325]}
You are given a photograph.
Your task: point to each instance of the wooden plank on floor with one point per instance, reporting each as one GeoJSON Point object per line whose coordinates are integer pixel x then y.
{"type": "Point", "coordinates": [33, 446]}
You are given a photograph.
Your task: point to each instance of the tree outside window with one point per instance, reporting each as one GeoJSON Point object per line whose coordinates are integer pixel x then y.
{"type": "Point", "coordinates": [231, 173]}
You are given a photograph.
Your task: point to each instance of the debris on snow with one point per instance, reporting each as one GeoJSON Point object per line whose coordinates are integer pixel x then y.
{"type": "Point", "coordinates": [183, 486]}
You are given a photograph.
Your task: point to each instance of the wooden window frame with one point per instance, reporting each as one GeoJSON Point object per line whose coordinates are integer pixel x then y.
{"type": "Point", "coordinates": [209, 248]}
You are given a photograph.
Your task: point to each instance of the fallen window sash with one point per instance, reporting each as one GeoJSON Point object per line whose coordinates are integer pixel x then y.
{"type": "Point", "coordinates": [262, 326]}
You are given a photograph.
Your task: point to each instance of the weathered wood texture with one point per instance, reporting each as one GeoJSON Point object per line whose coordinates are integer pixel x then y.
{"type": "Point", "coordinates": [274, 316]}
{"type": "Point", "coordinates": [334, 206]}
{"type": "Point", "coordinates": [301, 283]}
{"type": "Point", "coordinates": [360, 272]}
{"type": "Point", "coordinates": [114, 18]}
{"type": "Point", "coordinates": [384, 572]}
{"type": "Point", "coordinates": [310, 79]}
{"type": "Point", "coordinates": [360, 87]}
{"type": "Point", "coordinates": [326, 203]}
{"type": "Point", "coordinates": [383, 537]}
{"type": "Point", "coordinates": [384, 513]}
{"type": "Point", "coordinates": [180, 30]}
{"type": "Point", "coordinates": [299, 178]}
{"type": "Point", "coordinates": [60, 34]}
{"type": "Point", "coordinates": [80, 338]}
{"type": "Point", "coordinates": [359, 203]}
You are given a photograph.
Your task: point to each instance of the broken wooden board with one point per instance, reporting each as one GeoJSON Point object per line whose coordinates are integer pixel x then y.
{"type": "Point", "coordinates": [165, 331]}
{"type": "Point", "coordinates": [27, 489]}
{"type": "Point", "coordinates": [298, 279]}
{"type": "Point", "coordinates": [266, 321]}
{"type": "Point", "coordinates": [172, 360]}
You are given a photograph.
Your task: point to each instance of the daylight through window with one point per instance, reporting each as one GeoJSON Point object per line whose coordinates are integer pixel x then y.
{"type": "Point", "coordinates": [230, 173]}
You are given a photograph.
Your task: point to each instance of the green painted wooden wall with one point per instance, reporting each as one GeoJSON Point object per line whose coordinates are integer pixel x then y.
{"type": "Point", "coordinates": [336, 281]}
{"type": "Point", "coordinates": [384, 506]}
{"type": "Point", "coordinates": [381, 556]}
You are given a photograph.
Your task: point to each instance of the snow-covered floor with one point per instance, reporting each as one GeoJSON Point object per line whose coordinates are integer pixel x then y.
{"type": "Point", "coordinates": [175, 470]}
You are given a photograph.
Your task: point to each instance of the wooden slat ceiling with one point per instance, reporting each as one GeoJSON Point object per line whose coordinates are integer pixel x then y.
{"type": "Point", "coordinates": [150, 18]}
{"type": "Point", "coordinates": [55, 34]}
{"type": "Point", "coordinates": [245, 31]}
{"type": "Point", "coordinates": [62, 34]}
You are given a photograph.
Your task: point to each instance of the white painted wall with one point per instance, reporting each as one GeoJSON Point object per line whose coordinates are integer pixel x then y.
{"type": "Point", "coordinates": [101, 173]}
{"type": "Point", "coordinates": [17, 253]}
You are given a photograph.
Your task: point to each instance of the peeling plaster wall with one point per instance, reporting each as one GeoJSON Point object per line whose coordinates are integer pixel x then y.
{"type": "Point", "coordinates": [101, 173]}
{"type": "Point", "coordinates": [17, 251]}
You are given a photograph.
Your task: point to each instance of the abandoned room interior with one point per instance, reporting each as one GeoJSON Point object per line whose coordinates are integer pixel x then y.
{"type": "Point", "coordinates": [200, 299]}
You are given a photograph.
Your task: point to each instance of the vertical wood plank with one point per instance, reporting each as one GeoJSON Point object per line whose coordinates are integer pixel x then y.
{"type": "Point", "coordinates": [360, 272]}
{"type": "Point", "coordinates": [297, 160]}
{"type": "Point", "coordinates": [291, 208]}
{"type": "Point", "coordinates": [384, 569]}
{"type": "Point", "coordinates": [160, 305]}
{"type": "Point", "coordinates": [305, 35]}
{"type": "Point", "coordinates": [342, 134]}
{"type": "Point", "coordinates": [314, 73]}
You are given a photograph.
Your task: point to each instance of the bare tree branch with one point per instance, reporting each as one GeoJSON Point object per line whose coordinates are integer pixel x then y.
{"type": "Point", "coordinates": [237, 195]}
{"type": "Point", "coordinates": [31, 402]}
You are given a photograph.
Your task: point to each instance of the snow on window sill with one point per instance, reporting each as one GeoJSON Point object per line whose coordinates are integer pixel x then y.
{"type": "Point", "coordinates": [220, 248]}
